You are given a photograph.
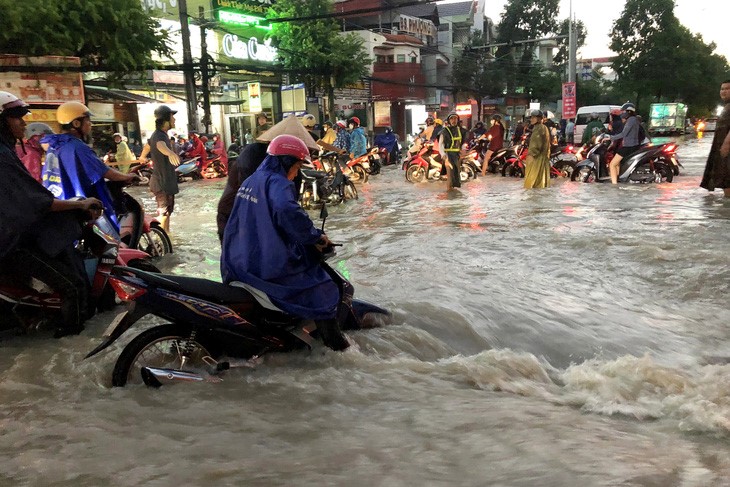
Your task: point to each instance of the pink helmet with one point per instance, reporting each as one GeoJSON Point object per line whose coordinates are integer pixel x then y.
{"type": "Point", "coordinates": [289, 145]}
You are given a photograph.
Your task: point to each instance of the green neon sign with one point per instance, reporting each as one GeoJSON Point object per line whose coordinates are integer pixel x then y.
{"type": "Point", "coordinates": [237, 18]}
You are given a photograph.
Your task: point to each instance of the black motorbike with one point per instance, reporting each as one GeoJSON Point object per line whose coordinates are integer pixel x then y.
{"type": "Point", "coordinates": [211, 327]}
{"type": "Point", "coordinates": [649, 164]}
{"type": "Point", "coordinates": [324, 182]}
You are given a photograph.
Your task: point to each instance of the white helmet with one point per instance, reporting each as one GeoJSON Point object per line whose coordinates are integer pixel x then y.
{"type": "Point", "coordinates": [8, 101]}
{"type": "Point", "coordinates": [309, 121]}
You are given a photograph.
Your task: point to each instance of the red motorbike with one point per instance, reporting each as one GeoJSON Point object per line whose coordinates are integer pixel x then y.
{"type": "Point", "coordinates": [27, 306]}
{"type": "Point", "coordinates": [359, 168]}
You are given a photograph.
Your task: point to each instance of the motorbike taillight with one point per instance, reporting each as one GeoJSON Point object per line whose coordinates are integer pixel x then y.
{"type": "Point", "coordinates": [670, 148]}
{"type": "Point", "coordinates": [125, 290]}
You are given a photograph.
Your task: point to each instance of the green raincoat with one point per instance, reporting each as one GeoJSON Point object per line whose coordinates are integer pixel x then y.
{"type": "Point", "coordinates": [537, 164]}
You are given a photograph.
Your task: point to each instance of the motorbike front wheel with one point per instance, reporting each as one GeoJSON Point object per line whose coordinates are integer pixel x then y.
{"type": "Point", "coordinates": [584, 174]}
{"type": "Point", "coordinates": [466, 173]}
{"type": "Point", "coordinates": [415, 174]}
{"type": "Point", "coordinates": [349, 192]}
{"type": "Point", "coordinates": [169, 346]}
{"type": "Point", "coordinates": [156, 243]}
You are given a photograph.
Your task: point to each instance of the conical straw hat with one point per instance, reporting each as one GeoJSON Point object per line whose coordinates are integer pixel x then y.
{"type": "Point", "coordinates": [289, 126]}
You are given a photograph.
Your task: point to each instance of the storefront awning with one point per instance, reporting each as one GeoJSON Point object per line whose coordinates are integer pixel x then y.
{"type": "Point", "coordinates": [100, 94]}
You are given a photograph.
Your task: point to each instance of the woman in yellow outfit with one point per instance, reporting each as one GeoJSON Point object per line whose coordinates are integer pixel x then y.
{"type": "Point", "coordinates": [537, 164]}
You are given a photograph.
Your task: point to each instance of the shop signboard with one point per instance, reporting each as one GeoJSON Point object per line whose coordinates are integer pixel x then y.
{"type": "Point", "coordinates": [416, 27]}
{"type": "Point", "coordinates": [243, 48]}
{"type": "Point", "coordinates": [293, 99]}
{"type": "Point", "coordinates": [382, 114]}
{"type": "Point", "coordinates": [54, 86]}
{"type": "Point", "coordinates": [254, 97]}
{"type": "Point", "coordinates": [463, 109]}
{"type": "Point", "coordinates": [252, 7]}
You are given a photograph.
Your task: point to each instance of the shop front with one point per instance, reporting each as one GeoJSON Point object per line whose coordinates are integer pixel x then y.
{"type": "Point", "coordinates": [244, 53]}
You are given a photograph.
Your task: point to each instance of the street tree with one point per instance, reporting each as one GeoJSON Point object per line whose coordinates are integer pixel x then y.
{"type": "Point", "coordinates": [561, 57]}
{"type": "Point", "coordinates": [116, 36]}
{"type": "Point", "coordinates": [315, 51]}
{"type": "Point", "coordinates": [523, 20]}
{"type": "Point", "coordinates": [658, 59]}
{"type": "Point", "coordinates": [475, 72]}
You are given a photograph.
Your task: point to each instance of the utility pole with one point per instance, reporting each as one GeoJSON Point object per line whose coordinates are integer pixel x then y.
{"type": "Point", "coordinates": [571, 47]}
{"type": "Point", "coordinates": [191, 98]}
{"type": "Point", "coordinates": [204, 71]}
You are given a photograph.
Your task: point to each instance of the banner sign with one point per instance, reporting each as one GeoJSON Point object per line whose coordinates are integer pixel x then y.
{"type": "Point", "coordinates": [569, 102]}
{"type": "Point", "coordinates": [382, 114]}
{"type": "Point", "coordinates": [259, 7]}
{"type": "Point", "coordinates": [238, 48]}
{"type": "Point", "coordinates": [463, 109]}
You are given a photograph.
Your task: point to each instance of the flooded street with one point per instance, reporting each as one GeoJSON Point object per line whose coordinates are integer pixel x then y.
{"type": "Point", "coordinates": [558, 337]}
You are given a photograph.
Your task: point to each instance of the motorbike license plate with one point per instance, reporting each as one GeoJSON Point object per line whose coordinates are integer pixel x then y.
{"type": "Point", "coordinates": [118, 319]}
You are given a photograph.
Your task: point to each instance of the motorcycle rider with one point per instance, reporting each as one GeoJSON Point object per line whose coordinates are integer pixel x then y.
{"type": "Point", "coordinates": [329, 135]}
{"type": "Point", "coordinates": [72, 168]}
{"type": "Point", "coordinates": [123, 153]}
{"type": "Point", "coordinates": [197, 149]}
{"type": "Point", "coordinates": [593, 128]}
{"type": "Point", "coordinates": [427, 132]}
{"type": "Point", "coordinates": [279, 258]}
{"type": "Point", "coordinates": [478, 130]}
{"type": "Point", "coordinates": [31, 151]}
{"type": "Point", "coordinates": [389, 141]}
{"type": "Point", "coordinates": [630, 137]}
{"type": "Point", "coordinates": [37, 231]}
{"type": "Point", "coordinates": [496, 141]}
{"type": "Point", "coordinates": [452, 136]}
{"type": "Point", "coordinates": [342, 141]}
{"type": "Point", "coordinates": [358, 141]}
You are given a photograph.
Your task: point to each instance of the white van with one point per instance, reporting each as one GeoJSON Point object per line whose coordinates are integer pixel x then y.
{"type": "Point", "coordinates": [583, 116]}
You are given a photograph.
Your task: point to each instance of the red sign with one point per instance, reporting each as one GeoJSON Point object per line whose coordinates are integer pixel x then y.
{"type": "Point", "coordinates": [569, 103]}
{"type": "Point", "coordinates": [463, 109]}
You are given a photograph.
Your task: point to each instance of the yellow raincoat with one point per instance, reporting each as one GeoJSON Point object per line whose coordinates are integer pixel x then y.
{"type": "Point", "coordinates": [537, 164]}
{"type": "Point", "coordinates": [123, 154]}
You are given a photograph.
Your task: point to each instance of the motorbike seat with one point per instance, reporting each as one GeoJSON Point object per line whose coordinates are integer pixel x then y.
{"type": "Point", "coordinates": [213, 291]}
{"type": "Point", "coordinates": [313, 174]}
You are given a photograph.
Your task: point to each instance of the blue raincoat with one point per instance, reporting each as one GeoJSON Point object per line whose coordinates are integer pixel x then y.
{"type": "Point", "coordinates": [387, 140]}
{"type": "Point", "coordinates": [72, 170]}
{"type": "Point", "coordinates": [358, 142]}
{"type": "Point", "coordinates": [267, 244]}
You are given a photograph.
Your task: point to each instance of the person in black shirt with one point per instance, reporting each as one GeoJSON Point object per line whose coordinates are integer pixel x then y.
{"type": "Point", "coordinates": [37, 231]}
{"type": "Point", "coordinates": [163, 182]}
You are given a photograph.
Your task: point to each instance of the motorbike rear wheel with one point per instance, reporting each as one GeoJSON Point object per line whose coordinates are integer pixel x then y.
{"type": "Point", "coordinates": [663, 173]}
{"type": "Point", "coordinates": [358, 174]}
{"type": "Point", "coordinates": [466, 173]}
{"type": "Point", "coordinates": [167, 346]}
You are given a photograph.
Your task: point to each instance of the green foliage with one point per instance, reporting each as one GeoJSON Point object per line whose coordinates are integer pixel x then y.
{"type": "Point", "coordinates": [523, 20]}
{"type": "Point", "coordinates": [475, 72]}
{"type": "Point", "coordinates": [661, 60]}
{"type": "Point", "coordinates": [315, 51]}
{"type": "Point", "coordinates": [114, 35]}
{"type": "Point", "coordinates": [561, 57]}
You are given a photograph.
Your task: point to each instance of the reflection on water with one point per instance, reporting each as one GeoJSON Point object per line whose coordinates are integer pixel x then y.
{"type": "Point", "coordinates": [573, 335]}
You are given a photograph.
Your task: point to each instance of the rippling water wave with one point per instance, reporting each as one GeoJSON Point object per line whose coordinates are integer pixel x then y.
{"type": "Point", "coordinates": [570, 336]}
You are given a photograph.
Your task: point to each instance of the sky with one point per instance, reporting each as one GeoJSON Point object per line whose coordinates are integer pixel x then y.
{"type": "Point", "coordinates": [711, 18]}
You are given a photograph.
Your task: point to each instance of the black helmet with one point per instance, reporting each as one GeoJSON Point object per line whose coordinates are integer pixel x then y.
{"type": "Point", "coordinates": [497, 116]}
{"type": "Point", "coordinates": [628, 107]}
{"type": "Point", "coordinates": [453, 114]}
{"type": "Point", "coordinates": [536, 113]}
{"type": "Point", "coordinates": [328, 123]}
{"type": "Point", "coordinates": [479, 124]}
{"type": "Point", "coordinates": [430, 119]}
{"type": "Point", "coordinates": [163, 112]}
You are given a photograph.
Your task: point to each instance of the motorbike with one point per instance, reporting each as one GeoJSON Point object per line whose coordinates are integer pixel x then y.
{"type": "Point", "coordinates": [211, 327]}
{"type": "Point", "coordinates": [359, 168]}
{"type": "Point", "coordinates": [649, 164]}
{"type": "Point", "coordinates": [137, 229]}
{"type": "Point", "coordinates": [215, 167]}
{"type": "Point", "coordinates": [30, 306]}
{"type": "Point", "coordinates": [427, 165]}
{"type": "Point", "coordinates": [143, 170]}
{"type": "Point", "coordinates": [189, 170]}
{"type": "Point", "coordinates": [324, 181]}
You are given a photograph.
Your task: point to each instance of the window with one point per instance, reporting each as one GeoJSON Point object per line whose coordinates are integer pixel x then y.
{"type": "Point", "coordinates": [401, 58]}
{"type": "Point", "coordinates": [414, 59]}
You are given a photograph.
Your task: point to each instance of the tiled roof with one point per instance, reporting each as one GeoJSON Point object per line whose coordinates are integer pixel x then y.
{"type": "Point", "coordinates": [454, 9]}
{"type": "Point", "coordinates": [403, 38]}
